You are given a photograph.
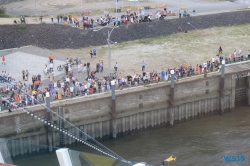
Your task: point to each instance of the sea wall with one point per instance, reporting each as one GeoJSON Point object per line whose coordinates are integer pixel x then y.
{"type": "Point", "coordinates": [131, 110]}
{"type": "Point", "coordinates": [55, 36]}
{"type": "Point", "coordinates": [137, 109]}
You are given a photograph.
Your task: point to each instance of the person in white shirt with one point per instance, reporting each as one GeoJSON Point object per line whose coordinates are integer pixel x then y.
{"type": "Point", "coordinates": [71, 91]}
{"type": "Point", "coordinates": [239, 52]}
{"type": "Point", "coordinates": [62, 84]}
{"type": "Point", "coordinates": [78, 68]}
{"type": "Point", "coordinates": [55, 84]}
{"type": "Point", "coordinates": [51, 66]}
{"type": "Point", "coordinates": [116, 66]}
{"type": "Point", "coordinates": [69, 67]}
{"type": "Point", "coordinates": [67, 80]}
{"type": "Point", "coordinates": [248, 54]}
{"type": "Point", "coordinates": [213, 59]}
{"type": "Point", "coordinates": [45, 71]}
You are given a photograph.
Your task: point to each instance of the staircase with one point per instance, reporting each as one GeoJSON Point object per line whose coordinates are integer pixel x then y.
{"type": "Point", "coordinates": [240, 96]}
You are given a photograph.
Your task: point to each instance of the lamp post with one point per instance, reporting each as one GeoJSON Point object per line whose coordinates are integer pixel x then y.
{"type": "Point", "coordinates": [191, 25]}
{"type": "Point", "coordinates": [35, 8]}
{"type": "Point", "coordinates": [81, 5]}
{"type": "Point", "coordinates": [109, 43]}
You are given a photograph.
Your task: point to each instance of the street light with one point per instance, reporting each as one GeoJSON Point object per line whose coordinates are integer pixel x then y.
{"type": "Point", "coordinates": [109, 43]}
{"type": "Point", "coordinates": [191, 25]}
{"type": "Point", "coordinates": [35, 8]}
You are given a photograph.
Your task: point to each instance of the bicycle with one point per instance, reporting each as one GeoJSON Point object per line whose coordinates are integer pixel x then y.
{"type": "Point", "coordinates": [61, 67]}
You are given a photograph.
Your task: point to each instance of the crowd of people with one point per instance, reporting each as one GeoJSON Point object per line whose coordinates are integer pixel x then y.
{"type": "Point", "coordinates": [124, 19]}
{"type": "Point", "coordinates": [21, 93]}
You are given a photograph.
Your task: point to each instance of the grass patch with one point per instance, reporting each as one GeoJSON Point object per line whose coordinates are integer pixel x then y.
{"type": "Point", "coordinates": [163, 52]}
{"type": "Point", "coordinates": [3, 13]}
{"type": "Point", "coordinates": [21, 27]}
{"type": "Point", "coordinates": [4, 16]}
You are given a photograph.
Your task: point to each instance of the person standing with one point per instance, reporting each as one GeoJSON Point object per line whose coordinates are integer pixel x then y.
{"type": "Point", "coordinates": [101, 66]}
{"type": "Point", "coordinates": [51, 17]}
{"type": "Point", "coordinates": [67, 69]}
{"type": "Point", "coordinates": [27, 75]}
{"type": "Point", "coordinates": [162, 75]}
{"type": "Point", "coordinates": [79, 68]}
{"type": "Point", "coordinates": [38, 77]}
{"type": "Point", "coordinates": [41, 18]}
{"type": "Point", "coordinates": [179, 13]}
{"type": "Point", "coordinates": [51, 58]}
{"type": "Point", "coordinates": [91, 53]}
{"type": "Point", "coordinates": [51, 66]}
{"type": "Point", "coordinates": [220, 50]}
{"type": "Point", "coordinates": [23, 72]}
{"type": "Point", "coordinates": [116, 67]}
{"type": "Point", "coordinates": [58, 18]}
{"type": "Point", "coordinates": [194, 12]}
{"type": "Point", "coordinates": [143, 65]}
{"type": "Point", "coordinates": [94, 52]}
{"type": "Point", "coordinates": [45, 71]}
{"type": "Point", "coordinates": [4, 60]}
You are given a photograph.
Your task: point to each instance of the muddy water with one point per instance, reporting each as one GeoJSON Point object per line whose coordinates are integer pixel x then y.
{"type": "Point", "coordinates": [199, 142]}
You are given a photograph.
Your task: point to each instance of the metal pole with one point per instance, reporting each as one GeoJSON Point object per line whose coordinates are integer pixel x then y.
{"type": "Point", "coordinates": [178, 6]}
{"type": "Point", "coordinates": [222, 82]}
{"type": "Point", "coordinates": [109, 52]}
{"type": "Point", "coordinates": [138, 11]}
{"type": "Point", "coordinates": [113, 109]}
{"type": "Point", "coordinates": [81, 7]}
{"type": "Point", "coordinates": [158, 4]}
{"type": "Point", "coordinates": [116, 12]}
{"type": "Point", "coordinates": [48, 116]}
{"type": "Point", "coordinates": [35, 9]}
{"type": "Point", "coordinates": [122, 5]}
{"type": "Point", "coordinates": [172, 99]}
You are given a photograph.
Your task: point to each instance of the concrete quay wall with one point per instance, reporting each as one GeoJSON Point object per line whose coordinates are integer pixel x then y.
{"type": "Point", "coordinates": [137, 109]}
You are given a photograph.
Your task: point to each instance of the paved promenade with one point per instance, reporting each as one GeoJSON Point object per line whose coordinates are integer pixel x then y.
{"type": "Point", "coordinates": [33, 59]}
{"type": "Point", "coordinates": [55, 7]}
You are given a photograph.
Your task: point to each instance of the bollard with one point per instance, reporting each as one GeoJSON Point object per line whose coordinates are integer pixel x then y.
{"type": "Point", "coordinates": [222, 82]}
{"type": "Point", "coordinates": [172, 99]}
